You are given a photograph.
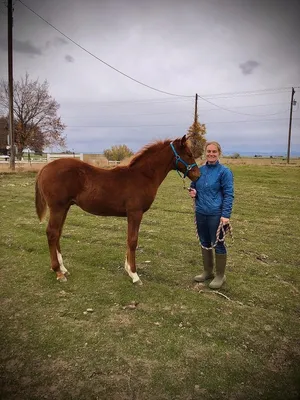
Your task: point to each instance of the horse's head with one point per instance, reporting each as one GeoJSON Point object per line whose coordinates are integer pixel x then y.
{"type": "Point", "coordinates": [184, 160]}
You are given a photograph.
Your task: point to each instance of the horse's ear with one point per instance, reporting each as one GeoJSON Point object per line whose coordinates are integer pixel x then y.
{"type": "Point", "coordinates": [183, 141]}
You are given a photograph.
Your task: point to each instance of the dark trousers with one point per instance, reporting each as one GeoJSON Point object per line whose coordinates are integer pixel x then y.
{"type": "Point", "coordinates": [207, 226]}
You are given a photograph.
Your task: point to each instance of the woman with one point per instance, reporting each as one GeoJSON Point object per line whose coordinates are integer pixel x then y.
{"type": "Point", "coordinates": [213, 193]}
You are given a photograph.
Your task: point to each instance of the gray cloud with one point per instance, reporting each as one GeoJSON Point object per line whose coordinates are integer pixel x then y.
{"type": "Point", "coordinates": [163, 44]}
{"type": "Point", "coordinates": [25, 47]}
{"type": "Point", "coordinates": [249, 66]}
{"type": "Point", "coordinates": [56, 42]}
{"type": "Point", "coordinates": [60, 41]}
{"type": "Point", "coordinates": [69, 58]}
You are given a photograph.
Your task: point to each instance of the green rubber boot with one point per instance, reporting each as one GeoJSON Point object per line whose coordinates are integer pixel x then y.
{"type": "Point", "coordinates": [208, 265]}
{"type": "Point", "coordinates": [220, 278]}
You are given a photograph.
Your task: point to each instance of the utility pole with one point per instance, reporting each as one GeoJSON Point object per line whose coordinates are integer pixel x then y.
{"type": "Point", "coordinates": [196, 108]}
{"type": "Point", "coordinates": [290, 126]}
{"type": "Point", "coordinates": [10, 83]}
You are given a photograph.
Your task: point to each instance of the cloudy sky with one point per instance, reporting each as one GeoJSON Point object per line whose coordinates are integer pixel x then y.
{"type": "Point", "coordinates": [242, 57]}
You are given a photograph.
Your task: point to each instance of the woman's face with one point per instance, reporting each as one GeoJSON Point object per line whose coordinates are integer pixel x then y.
{"type": "Point", "coordinates": [212, 154]}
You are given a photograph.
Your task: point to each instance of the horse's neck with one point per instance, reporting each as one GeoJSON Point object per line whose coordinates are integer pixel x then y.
{"type": "Point", "coordinates": [157, 166]}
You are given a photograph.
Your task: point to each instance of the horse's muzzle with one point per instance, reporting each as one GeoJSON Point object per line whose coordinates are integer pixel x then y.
{"type": "Point", "coordinates": [194, 174]}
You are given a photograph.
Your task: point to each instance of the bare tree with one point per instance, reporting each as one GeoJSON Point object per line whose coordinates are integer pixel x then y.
{"type": "Point", "coordinates": [35, 114]}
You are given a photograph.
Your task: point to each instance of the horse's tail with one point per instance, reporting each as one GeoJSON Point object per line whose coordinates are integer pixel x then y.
{"type": "Point", "coordinates": [40, 202]}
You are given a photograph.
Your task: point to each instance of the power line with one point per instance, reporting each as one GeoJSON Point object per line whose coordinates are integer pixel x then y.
{"type": "Point", "coordinates": [249, 121]}
{"type": "Point", "coordinates": [186, 100]}
{"type": "Point", "coordinates": [139, 102]}
{"type": "Point", "coordinates": [181, 112]}
{"type": "Point", "coordinates": [260, 115]}
{"type": "Point", "coordinates": [174, 125]}
{"type": "Point", "coordinates": [235, 112]}
{"type": "Point", "coordinates": [99, 59]}
{"type": "Point", "coordinates": [203, 97]}
{"type": "Point", "coordinates": [259, 92]}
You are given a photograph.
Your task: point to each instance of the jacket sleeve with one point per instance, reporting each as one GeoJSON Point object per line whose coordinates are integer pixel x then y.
{"type": "Point", "coordinates": [228, 192]}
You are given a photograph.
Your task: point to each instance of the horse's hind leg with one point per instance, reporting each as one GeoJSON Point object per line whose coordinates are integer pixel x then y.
{"type": "Point", "coordinates": [58, 251]}
{"type": "Point", "coordinates": [54, 229]}
{"type": "Point", "coordinates": [60, 260]}
{"type": "Point", "coordinates": [134, 220]}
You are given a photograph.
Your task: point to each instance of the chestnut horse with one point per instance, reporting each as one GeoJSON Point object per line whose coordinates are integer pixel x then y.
{"type": "Point", "coordinates": [124, 191]}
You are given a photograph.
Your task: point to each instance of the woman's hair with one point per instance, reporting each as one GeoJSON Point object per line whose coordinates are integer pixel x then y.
{"type": "Point", "coordinates": [215, 144]}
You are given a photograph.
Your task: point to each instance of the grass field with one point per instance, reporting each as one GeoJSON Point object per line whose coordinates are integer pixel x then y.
{"type": "Point", "coordinates": [180, 340]}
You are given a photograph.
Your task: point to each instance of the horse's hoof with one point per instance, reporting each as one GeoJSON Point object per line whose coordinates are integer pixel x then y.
{"type": "Point", "coordinates": [138, 283]}
{"type": "Point", "coordinates": [67, 273]}
{"type": "Point", "coordinates": [61, 278]}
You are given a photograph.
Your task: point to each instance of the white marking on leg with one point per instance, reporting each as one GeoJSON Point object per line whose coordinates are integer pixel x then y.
{"type": "Point", "coordinates": [133, 275]}
{"type": "Point", "coordinates": [61, 263]}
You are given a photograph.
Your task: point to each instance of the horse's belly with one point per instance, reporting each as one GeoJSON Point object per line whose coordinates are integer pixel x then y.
{"type": "Point", "coordinates": [100, 208]}
{"type": "Point", "coordinates": [108, 213]}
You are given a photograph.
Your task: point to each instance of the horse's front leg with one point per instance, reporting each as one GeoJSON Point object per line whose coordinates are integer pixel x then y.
{"type": "Point", "coordinates": [134, 220]}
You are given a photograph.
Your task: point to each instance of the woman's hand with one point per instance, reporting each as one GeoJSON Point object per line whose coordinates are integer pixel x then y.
{"type": "Point", "coordinates": [192, 193]}
{"type": "Point", "coordinates": [224, 220]}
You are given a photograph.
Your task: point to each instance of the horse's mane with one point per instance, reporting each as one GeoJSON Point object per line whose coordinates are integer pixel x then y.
{"type": "Point", "coordinates": [148, 150]}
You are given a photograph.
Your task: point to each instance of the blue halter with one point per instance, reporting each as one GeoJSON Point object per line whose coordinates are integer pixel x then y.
{"type": "Point", "coordinates": [178, 158]}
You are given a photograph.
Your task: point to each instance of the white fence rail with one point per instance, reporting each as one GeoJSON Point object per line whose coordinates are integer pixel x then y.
{"type": "Point", "coordinates": [53, 156]}
{"type": "Point", "coordinates": [4, 159]}
{"type": "Point", "coordinates": [50, 157]}
{"type": "Point", "coordinates": [113, 163]}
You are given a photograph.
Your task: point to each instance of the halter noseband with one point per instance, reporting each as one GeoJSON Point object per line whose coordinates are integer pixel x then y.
{"type": "Point", "coordinates": [188, 167]}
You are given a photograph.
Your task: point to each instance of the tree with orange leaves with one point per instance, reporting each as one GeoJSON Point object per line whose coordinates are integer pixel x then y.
{"type": "Point", "coordinates": [198, 131]}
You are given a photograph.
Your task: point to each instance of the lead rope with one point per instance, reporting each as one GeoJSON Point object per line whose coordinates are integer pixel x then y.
{"type": "Point", "coordinates": [221, 228]}
{"type": "Point", "coordinates": [184, 186]}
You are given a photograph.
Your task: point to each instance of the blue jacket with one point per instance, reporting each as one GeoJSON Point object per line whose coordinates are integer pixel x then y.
{"type": "Point", "coordinates": [215, 190]}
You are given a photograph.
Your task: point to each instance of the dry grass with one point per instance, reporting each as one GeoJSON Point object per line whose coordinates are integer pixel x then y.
{"type": "Point", "coordinates": [100, 161]}
{"type": "Point", "coordinates": [181, 341]}
{"type": "Point", "coordinates": [259, 161]}
{"type": "Point", "coordinates": [97, 160]}
{"type": "Point", "coordinates": [22, 167]}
